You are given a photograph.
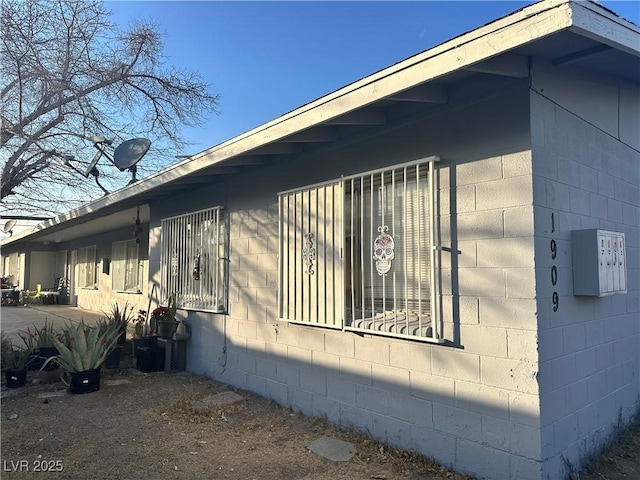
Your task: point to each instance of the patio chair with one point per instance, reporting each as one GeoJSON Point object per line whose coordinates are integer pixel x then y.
{"type": "Point", "coordinates": [35, 296]}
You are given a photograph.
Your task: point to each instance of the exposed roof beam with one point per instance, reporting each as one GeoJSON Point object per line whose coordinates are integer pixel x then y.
{"type": "Point", "coordinates": [507, 64]}
{"type": "Point", "coordinates": [365, 116]}
{"type": "Point", "coordinates": [423, 93]}
{"type": "Point", "coordinates": [243, 160]}
{"type": "Point", "coordinates": [312, 135]}
{"type": "Point", "coordinates": [575, 56]}
{"type": "Point", "coordinates": [277, 149]}
{"type": "Point", "coordinates": [177, 185]}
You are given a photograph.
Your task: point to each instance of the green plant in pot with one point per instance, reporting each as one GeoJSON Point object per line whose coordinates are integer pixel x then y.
{"type": "Point", "coordinates": [165, 317]}
{"type": "Point", "coordinates": [39, 341]}
{"type": "Point", "coordinates": [5, 351]}
{"type": "Point", "coordinates": [45, 337]}
{"type": "Point", "coordinates": [14, 362]}
{"type": "Point", "coordinates": [82, 351]}
{"type": "Point", "coordinates": [120, 317]}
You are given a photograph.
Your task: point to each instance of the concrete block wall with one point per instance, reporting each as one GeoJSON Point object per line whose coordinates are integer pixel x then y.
{"type": "Point", "coordinates": [473, 404]}
{"type": "Point", "coordinates": [586, 175]}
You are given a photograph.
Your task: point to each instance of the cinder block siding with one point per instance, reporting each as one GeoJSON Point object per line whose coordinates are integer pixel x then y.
{"type": "Point", "coordinates": [586, 175]}
{"type": "Point", "coordinates": [473, 405]}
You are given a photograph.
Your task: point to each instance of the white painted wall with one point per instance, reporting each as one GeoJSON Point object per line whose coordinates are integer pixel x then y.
{"type": "Point", "coordinates": [42, 270]}
{"type": "Point", "coordinates": [102, 298]}
{"type": "Point", "coordinates": [586, 175]}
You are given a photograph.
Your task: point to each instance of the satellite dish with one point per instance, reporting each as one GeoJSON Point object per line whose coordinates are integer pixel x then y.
{"type": "Point", "coordinates": [129, 152]}
{"type": "Point", "coordinates": [9, 226]}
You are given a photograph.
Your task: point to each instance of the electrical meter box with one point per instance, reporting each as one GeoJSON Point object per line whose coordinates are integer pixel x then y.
{"type": "Point", "coordinates": [599, 262]}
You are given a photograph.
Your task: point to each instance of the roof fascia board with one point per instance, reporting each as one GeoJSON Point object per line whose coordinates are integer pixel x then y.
{"type": "Point", "coordinates": [528, 24]}
{"type": "Point", "coordinates": [524, 26]}
{"type": "Point", "coordinates": [481, 44]}
{"type": "Point", "coordinates": [605, 27]}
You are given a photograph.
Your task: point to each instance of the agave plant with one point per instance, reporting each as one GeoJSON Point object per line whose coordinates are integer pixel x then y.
{"type": "Point", "coordinates": [13, 357]}
{"type": "Point", "coordinates": [121, 317]}
{"type": "Point", "coordinates": [83, 347]}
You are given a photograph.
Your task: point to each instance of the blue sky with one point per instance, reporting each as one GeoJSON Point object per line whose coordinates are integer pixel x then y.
{"type": "Point", "coordinates": [267, 58]}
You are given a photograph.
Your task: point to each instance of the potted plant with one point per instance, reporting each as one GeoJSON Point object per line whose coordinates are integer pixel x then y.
{"type": "Point", "coordinates": [45, 336]}
{"type": "Point", "coordinates": [82, 351]}
{"type": "Point", "coordinates": [141, 332]}
{"type": "Point", "coordinates": [118, 318]}
{"type": "Point", "coordinates": [30, 341]}
{"type": "Point", "coordinates": [14, 362]}
{"type": "Point", "coordinates": [165, 317]}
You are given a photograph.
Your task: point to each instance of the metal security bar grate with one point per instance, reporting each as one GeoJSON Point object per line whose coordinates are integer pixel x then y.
{"type": "Point", "coordinates": [359, 253]}
{"type": "Point", "coordinates": [194, 260]}
{"type": "Point", "coordinates": [389, 251]}
{"type": "Point", "coordinates": [310, 263]}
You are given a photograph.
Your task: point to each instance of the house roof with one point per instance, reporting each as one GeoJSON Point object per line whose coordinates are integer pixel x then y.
{"type": "Point", "coordinates": [566, 33]}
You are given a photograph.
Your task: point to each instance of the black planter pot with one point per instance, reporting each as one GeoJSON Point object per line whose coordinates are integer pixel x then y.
{"type": "Point", "coordinates": [137, 343]}
{"type": "Point", "coordinates": [85, 382]}
{"type": "Point", "coordinates": [16, 377]}
{"type": "Point", "coordinates": [113, 357]}
{"type": "Point", "coordinates": [150, 359]}
{"type": "Point", "coordinates": [166, 329]}
{"type": "Point", "coordinates": [48, 352]}
{"type": "Point", "coordinates": [35, 362]}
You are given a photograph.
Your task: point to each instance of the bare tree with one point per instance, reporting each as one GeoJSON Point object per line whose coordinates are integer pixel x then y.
{"type": "Point", "coordinates": [67, 74]}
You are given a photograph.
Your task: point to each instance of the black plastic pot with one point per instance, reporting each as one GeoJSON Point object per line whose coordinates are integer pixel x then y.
{"type": "Point", "coordinates": [150, 359]}
{"type": "Point", "coordinates": [35, 362]}
{"type": "Point", "coordinates": [85, 382]}
{"type": "Point", "coordinates": [113, 357]}
{"type": "Point", "coordinates": [138, 343]}
{"type": "Point", "coordinates": [48, 352]}
{"type": "Point", "coordinates": [16, 377]}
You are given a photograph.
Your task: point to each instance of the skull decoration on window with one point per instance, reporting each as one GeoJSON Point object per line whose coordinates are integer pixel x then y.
{"type": "Point", "coordinates": [383, 250]}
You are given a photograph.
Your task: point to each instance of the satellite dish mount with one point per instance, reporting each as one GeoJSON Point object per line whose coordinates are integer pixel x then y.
{"type": "Point", "coordinates": [125, 157]}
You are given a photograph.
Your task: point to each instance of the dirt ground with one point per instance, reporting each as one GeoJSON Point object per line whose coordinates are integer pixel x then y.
{"type": "Point", "coordinates": [146, 426]}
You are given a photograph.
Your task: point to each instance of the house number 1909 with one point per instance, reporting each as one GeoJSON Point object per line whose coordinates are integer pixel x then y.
{"type": "Point", "coordinates": [555, 300]}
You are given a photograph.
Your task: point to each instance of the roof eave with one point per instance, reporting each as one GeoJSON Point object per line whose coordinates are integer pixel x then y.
{"type": "Point", "coordinates": [497, 38]}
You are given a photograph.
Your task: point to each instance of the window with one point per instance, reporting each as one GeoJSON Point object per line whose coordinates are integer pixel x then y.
{"type": "Point", "coordinates": [87, 267]}
{"type": "Point", "coordinates": [125, 266]}
{"type": "Point", "coordinates": [12, 268]}
{"type": "Point", "coordinates": [194, 260]}
{"type": "Point", "coordinates": [359, 253]}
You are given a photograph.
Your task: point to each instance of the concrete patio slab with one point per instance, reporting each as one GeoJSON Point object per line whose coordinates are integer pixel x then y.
{"type": "Point", "coordinates": [13, 319]}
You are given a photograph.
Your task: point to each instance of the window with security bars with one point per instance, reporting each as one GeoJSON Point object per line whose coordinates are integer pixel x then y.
{"type": "Point", "coordinates": [194, 260]}
{"type": "Point", "coordinates": [87, 267]}
{"type": "Point", "coordinates": [125, 266]}
{"type": "Point", "coordinates": [359, 253]}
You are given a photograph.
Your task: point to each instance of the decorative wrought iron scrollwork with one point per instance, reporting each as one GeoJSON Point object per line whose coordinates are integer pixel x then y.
{"type": "Point", "coordinates": [196, 267]}
{"type": "Point", "coordinates": [308, 253]}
